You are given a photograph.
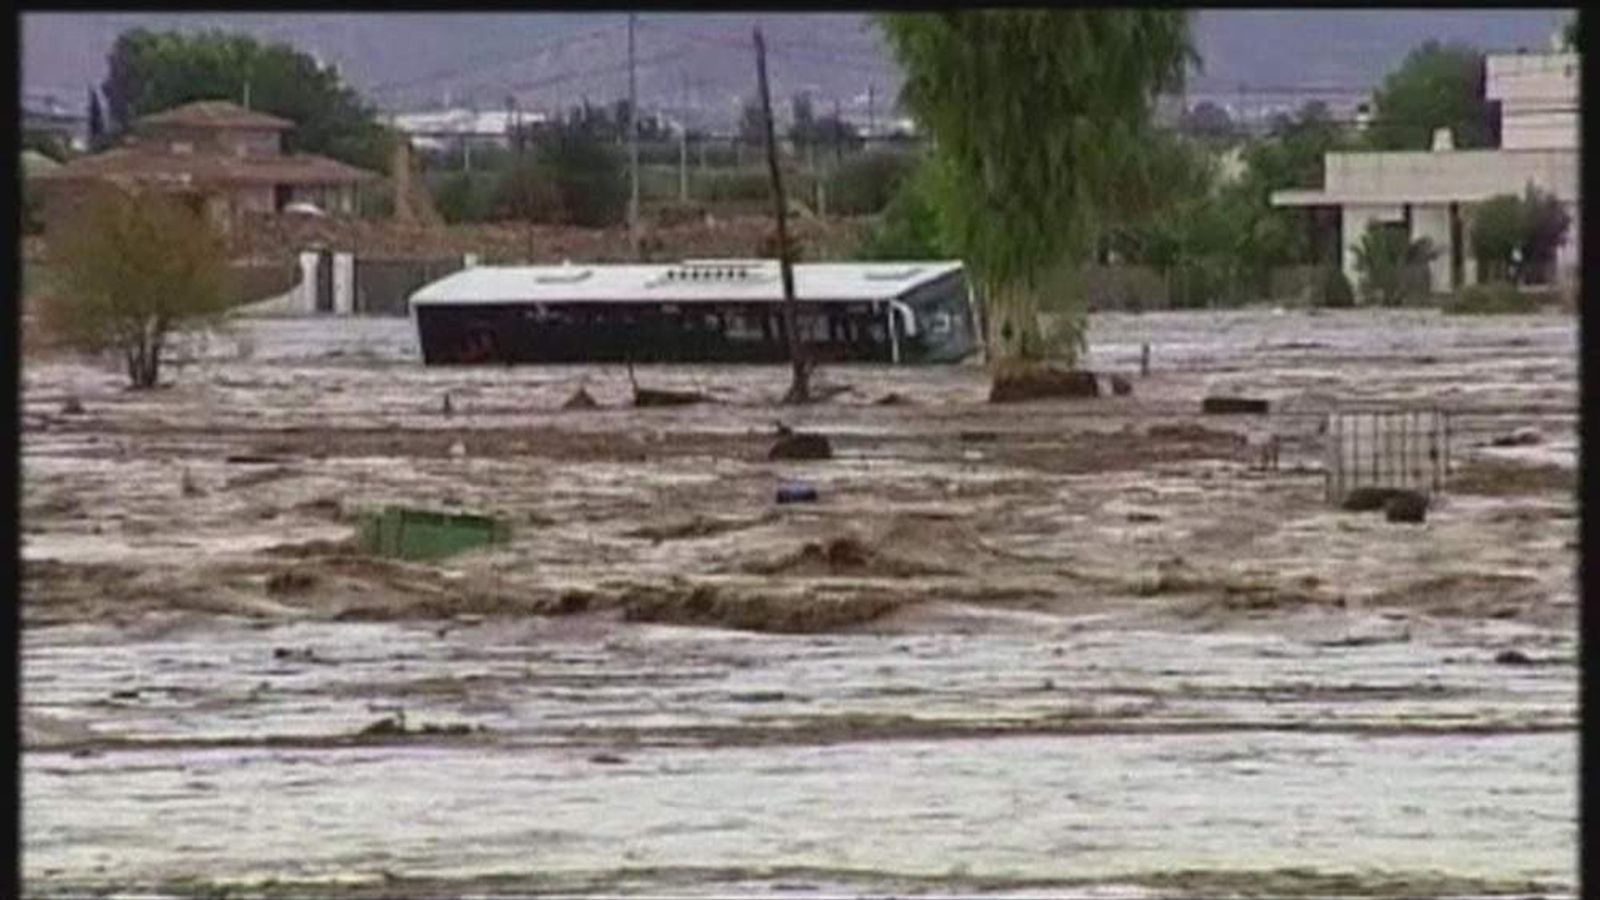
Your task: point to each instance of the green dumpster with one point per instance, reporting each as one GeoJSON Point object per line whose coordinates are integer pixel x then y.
{"type": "Point", "coordinates": [417, 534]}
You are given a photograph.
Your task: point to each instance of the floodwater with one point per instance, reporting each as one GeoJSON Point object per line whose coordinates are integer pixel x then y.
{"type": "Point", "coordinates": [1035, 650]}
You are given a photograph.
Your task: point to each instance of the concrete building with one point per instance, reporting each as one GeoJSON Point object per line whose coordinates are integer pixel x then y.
{"type": "Point", "coordinates": [1432, 193]}
{"type": "Point", "coordinates": [228, 159]}
{"type": "Point", "coordinates": [443, 129]}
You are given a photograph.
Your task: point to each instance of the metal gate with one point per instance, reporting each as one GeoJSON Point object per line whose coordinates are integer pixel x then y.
{"type": "Point", "coordinates": [1392, 448]}
{"type": "Point", "coordinates": [383, 287]}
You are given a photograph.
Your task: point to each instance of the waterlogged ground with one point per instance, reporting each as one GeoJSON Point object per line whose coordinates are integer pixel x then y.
{"type": "Point", "coordinates": [1062, 649]}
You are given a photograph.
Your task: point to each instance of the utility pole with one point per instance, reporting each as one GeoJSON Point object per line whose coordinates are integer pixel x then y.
{"type": "Point", "coordinates": [872, 110]}
{"type": "Point", "coordinates": [800, 386]}
{"type": "Point", "coordinates": [838, 134]}
{"type": "Point", "coordinates": [683, 143]}
{"type": "Point", "coordinates": [633, 141]}
{"type": "Point", "coordinates": [247, 94]}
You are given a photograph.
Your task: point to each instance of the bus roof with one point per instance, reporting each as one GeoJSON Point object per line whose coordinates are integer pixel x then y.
{"type": "Point", "coordinates": [714, 281]}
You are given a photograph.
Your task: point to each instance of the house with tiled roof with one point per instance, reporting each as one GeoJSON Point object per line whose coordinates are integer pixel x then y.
{"type": "Point", "coordinates": [225, 158]}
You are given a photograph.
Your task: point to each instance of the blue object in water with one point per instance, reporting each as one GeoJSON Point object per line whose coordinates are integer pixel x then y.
{"type": "Point", "coordinates": [797, 492]}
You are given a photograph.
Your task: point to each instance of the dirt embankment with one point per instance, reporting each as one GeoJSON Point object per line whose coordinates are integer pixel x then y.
{"type": "Point", "coordinates": [280, 237]}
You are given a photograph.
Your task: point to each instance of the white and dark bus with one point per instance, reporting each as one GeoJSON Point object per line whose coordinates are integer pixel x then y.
{"type": "Point", "coordinates": [701, 311]}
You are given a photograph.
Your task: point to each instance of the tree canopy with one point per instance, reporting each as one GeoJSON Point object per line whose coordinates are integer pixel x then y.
{"type": "Point", "coordinates": [1037, 118]}
{"type": "Point", "coordinates": [1438, 86]}
{"type": "Point", "coordinates": [131, 268]}
{"type": "Point", "coordinates": [149, 71]}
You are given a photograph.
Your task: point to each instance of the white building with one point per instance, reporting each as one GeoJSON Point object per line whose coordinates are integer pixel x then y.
{"type": "Point", "coordinates": [1433, 192]}
{"type": "Point", "coordinates": [453, 127]}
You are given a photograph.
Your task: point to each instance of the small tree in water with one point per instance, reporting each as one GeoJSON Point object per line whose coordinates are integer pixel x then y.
{"type": "Point", "coordinates": [133, 268]}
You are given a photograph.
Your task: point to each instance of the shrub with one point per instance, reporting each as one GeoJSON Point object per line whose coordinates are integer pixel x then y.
{"type": "Point", "coordinates": [588, 176]}
{"type": "Point", "coordinates": [1392, 264]}
{"type": "Point", "coordinates": [909, 226]}
{"type": "Point", "coordinates": [376, 200]}
{"type": "Point", "coordinates": [1514, 239]}
{"type": "Point", "coordinates": [130, 268]}
{"type": "Point", "coordinates": [866, 183]}
{"type": "Point", "coordinates": [528, 192]}
{"type": "Point", "coordinates": [461, 197]}
{"type": "Point", "coordinates": [1333, 289]}
{"type": "Point", "coordinates": [1499, 298]}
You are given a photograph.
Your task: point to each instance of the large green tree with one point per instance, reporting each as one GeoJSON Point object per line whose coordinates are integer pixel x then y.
{"type": "Point", "coordinates": [1037, 117]}
{"type": "Point", "coordinates": [149, 71]}
{"type": "Point", "coordinates": [1438, 86]}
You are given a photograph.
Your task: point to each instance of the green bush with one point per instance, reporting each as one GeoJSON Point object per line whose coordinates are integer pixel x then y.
{"type": "Point", "coordinates": [461, 197]}
{"type": "Point", "coordinates": [909, 226]}
{"type": "Point", "coordinates": [866, 183]}
{"type": "Point", "coordinates": [376, 200]}
{"type": "Point", "coordinates": [527, 192]}
{"type": "Point", "coordinates": [1393, 267]}
{"type": "Point", "coordinates": [736, 185]}
{"type": "Point", "coordinates": [1333, 289]}
{"type": "Point", "coordinates": [1499, 298]}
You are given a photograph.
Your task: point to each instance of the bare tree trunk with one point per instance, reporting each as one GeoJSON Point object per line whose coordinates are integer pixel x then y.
{"type": "Point", "coordinates": [800, 384]}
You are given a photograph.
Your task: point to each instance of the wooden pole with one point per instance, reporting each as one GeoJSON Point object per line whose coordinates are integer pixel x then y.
{"type": "Point", "coordinates": [800, 386]}
{"type": "Point", "coordinates": [633, 142]}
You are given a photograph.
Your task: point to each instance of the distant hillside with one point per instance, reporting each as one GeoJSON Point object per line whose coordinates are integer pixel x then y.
{"type": "Point", "coordinates": [408, 60]}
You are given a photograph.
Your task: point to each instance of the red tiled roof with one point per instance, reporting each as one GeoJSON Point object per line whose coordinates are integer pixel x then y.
{"type": "Point", "coordinates": [202, 169]}
{"type": "Point", "coordinates": [214, 114]}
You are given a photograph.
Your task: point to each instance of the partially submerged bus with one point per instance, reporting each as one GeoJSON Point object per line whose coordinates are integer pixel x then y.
{"type": "Point", "coordinates": [699, 311]}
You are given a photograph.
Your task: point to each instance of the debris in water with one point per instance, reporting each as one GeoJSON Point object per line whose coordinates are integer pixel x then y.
{"type": "Point", "coordinates": [801, 446]}
{"type": "Point", "coordinates": [656, 397]}
{"type": "Point", "coordinates": [1041, 383]}
{"type": "Point", "coordinates": [1406, 506]}
{"type": "Point", "coordinates": [580, 399]}
{"type": "Point", "coordinates": [797, 492]}
{"type": "Point", "coordinates": [458, 449]}
{"type": "Point", "coordinates": [72, 406]}
{"type": "Point", "coordinates": [446, 408]}
{"type": "Point", "coordinates": [416, 534]}
{"type": "Point", "coordinates": [1522, 437]}
{"type": "Point", "coordinates": [1513, 658]}
{"type": "Point", "coordinates": [1121, 386]}
{"type": "Point", "coordinates": [1225, 406]}
{"type": "Point", "coordinates": [607, 759]}
{"type": "Point", "coordinates": [290, 581]}
{"type": "Point", "coordinates": [892, 399]}
{"type": "Point", "coordinates": [1367, 499]}
{"type": "Point", "coordinates": [188, 485]}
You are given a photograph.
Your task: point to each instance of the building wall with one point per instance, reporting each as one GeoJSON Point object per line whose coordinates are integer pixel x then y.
{"type": "Point", "coordinates": [1353, 226]}
{"type": "Point", "coordinates": [1432, 221]}
{"type": "Point", "coordinates": [1460, 174]}
{"type": "Point", "coordinates": [1538, 96]}
{"type": "Point", "coordinates": [252, 199]}
{"type": "Point", "coordinates": [225, 141]}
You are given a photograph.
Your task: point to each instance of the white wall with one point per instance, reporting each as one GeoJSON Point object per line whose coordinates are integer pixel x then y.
{"type": "Point", "coordinates": [1353, 226]}
{"type": "Point", "coordinates": [1449, 175]}
{"type": "Point", "coordinates": [1432, 221]}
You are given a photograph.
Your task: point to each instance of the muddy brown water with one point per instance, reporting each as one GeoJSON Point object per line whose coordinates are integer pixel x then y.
{"type": "Point", "coordinates": [1020, 651]}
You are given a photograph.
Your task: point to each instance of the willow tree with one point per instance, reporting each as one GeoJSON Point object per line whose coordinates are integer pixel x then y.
{"type": "Point", "coordinates": [1038, 118]}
